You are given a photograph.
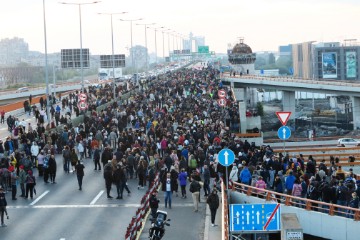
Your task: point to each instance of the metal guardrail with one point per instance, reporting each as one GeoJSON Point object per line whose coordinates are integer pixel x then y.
{"type": "Point", "coordinates": [304, 203]}
{"type": "Point", "coordinates": [224, 213]}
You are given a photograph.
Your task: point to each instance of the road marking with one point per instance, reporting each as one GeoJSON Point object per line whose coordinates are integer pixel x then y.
{"type": "Point", "coordinates": [126, 205]}
{"type": "Point", "coordinates": [38, 198]}
{"type": "Point", "coordinates": [97, 197]}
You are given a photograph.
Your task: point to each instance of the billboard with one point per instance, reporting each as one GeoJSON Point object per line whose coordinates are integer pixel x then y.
{"type": "Point", "coordinates": [70, 58]}
{"type": "Point", "coordinates": [203, 49]}
{"type": "Point", "coordinates": [106, 61]}
{"type": "Point", "coordinates": [329, 65]}
{"type": "Point", "coordinates": [350, 64]}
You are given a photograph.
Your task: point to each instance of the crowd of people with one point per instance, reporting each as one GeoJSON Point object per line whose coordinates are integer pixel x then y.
{"type": "Point", "coordinates": [172, 126]}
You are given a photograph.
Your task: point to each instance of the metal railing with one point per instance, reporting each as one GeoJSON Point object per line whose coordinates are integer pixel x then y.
{"type": "Point", "coordinates": [304, 203]}
{"type": "Point", "coordinates": [224, 213]}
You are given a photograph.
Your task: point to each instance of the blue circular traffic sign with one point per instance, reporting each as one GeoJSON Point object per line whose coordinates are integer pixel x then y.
{"type": "Point", "coordinates": [284, 133]}
{"type": "Point", "coordinates": [226, 157]}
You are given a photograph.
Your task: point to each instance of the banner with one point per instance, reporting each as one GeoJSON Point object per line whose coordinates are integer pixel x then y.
{"type": "Point", "coordinates": [351, 64]}
{"type": "Point", "coordinates": [329, 65]}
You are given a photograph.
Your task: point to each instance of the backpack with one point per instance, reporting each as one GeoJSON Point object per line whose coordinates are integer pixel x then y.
{"type": "Point", "coordinates": [195, 187]}
{"type": "Point", "coordinates": [193, 163]}
{"type": "Point", "coordinates": [349, 183]}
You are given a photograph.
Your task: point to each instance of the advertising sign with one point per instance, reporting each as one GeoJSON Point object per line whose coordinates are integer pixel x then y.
{"type": "Point", "coordinates": [329, 65]}
{"type": "Point", "coordinates": [351, 64]}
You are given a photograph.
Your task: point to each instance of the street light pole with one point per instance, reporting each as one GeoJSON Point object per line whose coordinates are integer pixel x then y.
{"type": "Point", "coordinates": [156, 57]}
{"type": "Point", "coordinates": [81, 49]}
{"type": "Point", "coordinates": [131, 40]}
{"type": "Point", "coordinates": [112, 48]}
{"type": "Point", "coordinates": [147, 54]}
{"type": "Point", "coordinates": [46, 67]}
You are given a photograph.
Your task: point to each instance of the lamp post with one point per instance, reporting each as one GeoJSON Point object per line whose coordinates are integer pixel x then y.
{"type": "Point", "coordinates": [81, 50]}
{"type": "Point", "coordinates": [147, 54]}
{"type": "Point", "coordinates": [112, 48]}
{"type": "Point", "coordinates": [54, 80]}
{"type": "Point", "coordinates": [155, 30]}
{"type": "Point", "coordinates": [169, 31]}
{"type": "Point", "coordinates": [131, 38]}
{"type": "Point", "coordinates": [46, 67]}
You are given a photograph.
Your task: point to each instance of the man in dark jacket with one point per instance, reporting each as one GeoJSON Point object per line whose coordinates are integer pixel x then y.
{"type": "Point", "coordinates": [119, 180]}
{"type": "Point", "coordinates": [213, 202]}
{"type": "Point", "coordinates": [79, 168]}
{"type": "Point", "coordinates": [206, 180]}
{"type": "Point", "coordinates": [97, 158]}
{"type": "Point", "coordinates": [3, 205]}
{"type": "Point", "coordinates": [154, 204]}
{"type": "Point", "coordinates": [108, 178]}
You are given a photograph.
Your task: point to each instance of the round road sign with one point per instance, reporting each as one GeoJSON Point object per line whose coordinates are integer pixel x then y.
{"type": "Point", "coordinates": [221, 93]}
{"type": "Point", "coordinates": [82, 97]}
{"type": "Point", "coordinates": [82, 105]}
{"type": "Point", "coordinates": [221, 102]}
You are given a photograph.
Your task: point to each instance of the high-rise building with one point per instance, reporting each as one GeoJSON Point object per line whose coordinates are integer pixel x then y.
{"type": "Point", "coordinates": [13, 51]}
{"type": "Point", "coordinates": [302, 54]}
{"type": "Point", "coordinates": [193, 42]}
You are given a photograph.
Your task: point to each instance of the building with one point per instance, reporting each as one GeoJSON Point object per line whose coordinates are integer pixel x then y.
{"type": "Point", "coordinates": [285, 50]}
{"type": "Point", "coordinates": [13, 51]}
{"type": "Point", "coordinates": [302, 55]}
{"type": "Point", "coordinates": [193, 42]}
{"type": "Point", "coordinates": [334, 61]}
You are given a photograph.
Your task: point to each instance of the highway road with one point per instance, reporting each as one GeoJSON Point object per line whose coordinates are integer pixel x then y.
{"type": "Point", "coordinates": [61, 211]}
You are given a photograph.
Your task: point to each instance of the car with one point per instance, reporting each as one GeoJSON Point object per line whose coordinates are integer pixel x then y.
{"type": "Point", "coordinates": [348, 142]}
{"type": "Point", "coordinates": [22, 89]}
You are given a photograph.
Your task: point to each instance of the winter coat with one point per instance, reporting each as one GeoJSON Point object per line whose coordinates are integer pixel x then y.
{"type": "Point", "coordinates": [213, 201]}
{"type": "Point", "coordinates": [182, 178]}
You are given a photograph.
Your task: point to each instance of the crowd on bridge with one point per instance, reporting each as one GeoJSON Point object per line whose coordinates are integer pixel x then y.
{"type": "Point", "coordinates": [170, 126]}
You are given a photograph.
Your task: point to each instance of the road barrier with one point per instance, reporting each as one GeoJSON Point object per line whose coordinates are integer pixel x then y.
{"type": "Point", "coordinates": [137, 222]}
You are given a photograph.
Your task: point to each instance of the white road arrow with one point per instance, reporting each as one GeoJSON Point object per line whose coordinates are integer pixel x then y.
{"type": "Point", "coordinates": [247, 217]}
{"type": "Point", "coordinates": [284, 133]}
{"type": "Point", "coordinates": [226, 154]}
{"type": "Point", "coordinates": [257, 217]}
{"type": "Point", "coordinates": [237, 218]}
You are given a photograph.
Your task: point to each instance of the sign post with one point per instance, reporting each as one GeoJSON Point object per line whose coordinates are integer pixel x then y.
{"type": "Point", "coordinates": [284, 132]}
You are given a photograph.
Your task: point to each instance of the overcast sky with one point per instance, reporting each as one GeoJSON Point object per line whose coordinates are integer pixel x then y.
{"type": "Point", "coordinates": [265, 24]}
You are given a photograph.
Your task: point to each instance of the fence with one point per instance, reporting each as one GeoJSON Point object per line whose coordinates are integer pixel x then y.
{"type": "Point", "coordinates": [307, 204]}
{"type": "Point", "coordinates": [224, 213]}
{"type": "Point", "coordinates": [134, 229]}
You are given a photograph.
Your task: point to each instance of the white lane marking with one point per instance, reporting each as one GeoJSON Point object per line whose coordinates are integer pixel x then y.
{"type": "Point", "coordinates": [38, 198]}
{"type": "Point", "coordinates": [62, 238]}
{"type": "Point", "coordinates": [126, 205]}
{"type": "Point", "coordinates": [97, 197]}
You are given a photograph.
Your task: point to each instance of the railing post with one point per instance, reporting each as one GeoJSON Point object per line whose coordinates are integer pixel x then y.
{"type": "Point", "coordinates": [308, 205]}
{"type": "Point", "coordinates": [357, 215]}
{"type": "Point", "coordinates": [287, 201]}
{"type": "Point", "coordinates": [268, 196]}
{"type": "Point", "coordinates": [331, 210]}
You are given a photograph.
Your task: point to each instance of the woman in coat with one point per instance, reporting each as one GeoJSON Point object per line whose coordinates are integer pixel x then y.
{"type": "Point", "coordinates": [74, 159]}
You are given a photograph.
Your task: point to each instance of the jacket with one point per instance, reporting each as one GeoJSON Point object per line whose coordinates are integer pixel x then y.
{"type": "Point", "coordinates": [3, 202]}
{"type": "Point", "coordinates": [163, 186]}
{"type": "Point", "coordinates": [289, 182]}
{"type": "Point", "coordinates": [182, 178]}
{"type": "Point", "coordinates": [213, 201]}
{"type": "Point", "coordinates": [245, 176]}
{"type": "Point", "coordinates": [297, 190]}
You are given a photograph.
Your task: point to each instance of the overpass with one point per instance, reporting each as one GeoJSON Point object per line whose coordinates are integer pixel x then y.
{"type": "Point", "coordinates": [290, 85]}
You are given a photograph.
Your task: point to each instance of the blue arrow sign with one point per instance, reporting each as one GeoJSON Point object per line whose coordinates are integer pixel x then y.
{"type": "Point", "coordinates": [226, 157]}
{"type": "Point", "coordinates": [253, 217]}
{"type": "Point", "coordinates": [284, 133]}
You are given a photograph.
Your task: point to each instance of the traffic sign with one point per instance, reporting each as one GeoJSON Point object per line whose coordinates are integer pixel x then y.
{"type": "Point", "coordinates": [221, 102]}
{"type": "Point", "coordinates": [283, 117]}
{"type": "Point", "coordinates": [82, 105]}
{"type": "Point", "coordinates": [284, 133]}
{"type": "Point", "coordinates": [255, 217]}
{"type": "Point", "coordinates": [82, 97]}
{"type": "Point", "coordinates": [226, 157]}
{"type": "Point", "coordinates": [221, 93]}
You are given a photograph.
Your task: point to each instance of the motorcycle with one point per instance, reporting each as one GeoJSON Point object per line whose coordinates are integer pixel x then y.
{"type": "Point", "coordinates": [157, 230]}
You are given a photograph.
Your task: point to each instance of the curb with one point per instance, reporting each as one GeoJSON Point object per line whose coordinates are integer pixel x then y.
{"type": "Point", "coordinates": [207, 223]}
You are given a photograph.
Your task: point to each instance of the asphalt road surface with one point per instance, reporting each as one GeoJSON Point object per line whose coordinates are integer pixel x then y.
{"type": "Point", "coordinates": [61, 211]}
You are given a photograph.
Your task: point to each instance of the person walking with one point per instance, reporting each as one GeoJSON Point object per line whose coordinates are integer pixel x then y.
{"type": "Point", "coordinates": [3, 204]}
{"type": "Point", "coordinates": [13, 181]}
{"type": "Point", "coordinates": [182, 179]}
{"type": "Point", "coordinates": [46, 167]}
{"type": "Point", "coordinates": [213, 202]}
{"type": "Point", "coordinates": [97, 158]}
{"type": "Point", "coordinates": [22, 180]}
{"type": "Point", "coordinates": [52, 168]}
{"type": "Point", "coordinates": [30, 184]}
{"type": "Point", "coordinates": [195, 190]}
{"type": "Point", "coordinates": [108, 178]}
{"type": "Point", "coordinates": [79, 168]}
{"type": "Point", "coordinates": [67, 158]}
{"type": "Point", "coordinates": [2, 114]}
{"type": "Point", "coordinates": [119, 180]}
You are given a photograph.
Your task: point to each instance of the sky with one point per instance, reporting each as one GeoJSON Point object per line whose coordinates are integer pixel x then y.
{"type": "Point", "coordinates": [264, 24]}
